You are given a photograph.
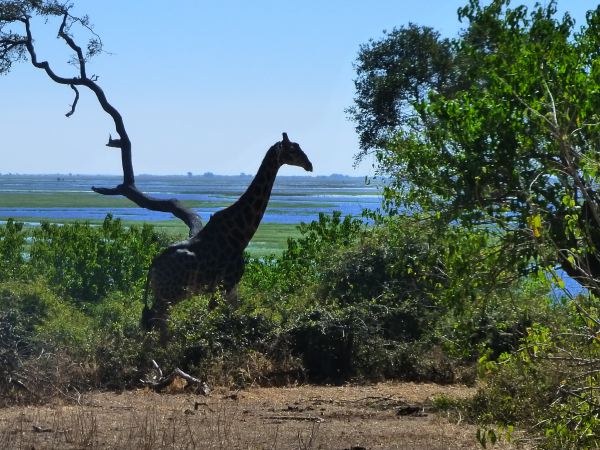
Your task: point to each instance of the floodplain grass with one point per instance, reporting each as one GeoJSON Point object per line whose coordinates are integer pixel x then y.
{"type": "Point", "coordinates": [271, 238]}
{"type": "Point", "coordinates": [54, 199]}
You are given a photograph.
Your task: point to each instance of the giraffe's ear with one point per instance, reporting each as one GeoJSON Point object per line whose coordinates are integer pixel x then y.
{"type": "Point", "coordinates": [286, 140]}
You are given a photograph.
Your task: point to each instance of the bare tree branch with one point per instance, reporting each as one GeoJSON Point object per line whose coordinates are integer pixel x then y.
{"type": "Point", "coordinates": [127, 188]}
{"type": "Point", "coordinates": [71, 43]}
{"type": "Point", "coordinates": [74, 105]}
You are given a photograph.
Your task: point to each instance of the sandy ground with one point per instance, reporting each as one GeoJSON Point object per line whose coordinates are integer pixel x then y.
{"type": "Point", "coordinates": [380, 416]}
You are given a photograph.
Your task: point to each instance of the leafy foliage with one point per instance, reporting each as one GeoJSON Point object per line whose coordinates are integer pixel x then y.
{"type": "Point", "coordinates": [345, 301]}
{"type": "Point", "coordinates": [12, 247]}
{"type": "Point", "coordinates": [407, 284]}
{"type": "Point", "coordinates": [550, 383]}
{"type": "Point", "coordinates": [513, 144]}
{"type": "Point", "coordinates": [13, 44]}
{"type": "Point", "coordinates": [278, 283]}
{"type": "Point", "coordinates": [70, 292]}
{"type": "Point", "coordinates": [32, 321]}
{"type": "Point", "coordinates": [366, 341]}
{"type": "Point", "coordinates": [393, 74]}
{"type": "Point", "coordinates": [89, 262]}
{"type": "Point", "coordinates": [501, 146]}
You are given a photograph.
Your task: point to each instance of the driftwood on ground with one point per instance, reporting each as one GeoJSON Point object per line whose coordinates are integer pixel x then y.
{"type": "Point", "coordinates": [159, 382]}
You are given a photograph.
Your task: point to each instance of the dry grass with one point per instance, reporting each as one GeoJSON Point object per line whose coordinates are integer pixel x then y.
{"type": "Point", "coordinates": [305, 417]}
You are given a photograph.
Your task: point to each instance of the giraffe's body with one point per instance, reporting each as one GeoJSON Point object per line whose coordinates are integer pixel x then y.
{"type": "Point", "coordinates": [214, 258]}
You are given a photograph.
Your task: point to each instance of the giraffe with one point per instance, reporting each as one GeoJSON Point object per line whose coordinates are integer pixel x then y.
{"type": "Point", "coordinates": [213, 259]}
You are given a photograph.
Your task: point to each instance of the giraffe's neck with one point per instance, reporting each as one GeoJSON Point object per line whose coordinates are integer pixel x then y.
{"type": "Point", "coordinates": [240, 221]}
{"type": "Point", "coordinates": [253, 203]}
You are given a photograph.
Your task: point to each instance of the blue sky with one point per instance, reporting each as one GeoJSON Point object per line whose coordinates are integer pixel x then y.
{"type": "Point", "coordinates": [207, 86]}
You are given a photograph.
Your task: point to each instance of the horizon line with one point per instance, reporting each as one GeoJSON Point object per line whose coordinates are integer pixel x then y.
{"type": "Point", "coordinates": [185, 175]}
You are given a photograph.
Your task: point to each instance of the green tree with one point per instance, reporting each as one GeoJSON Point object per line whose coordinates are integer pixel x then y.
{"type": "Point", "coordinates": [509, 146]}
{"type": "Point", "coordinates": [393, 74]}
{"type": "Point", "coordinates": [509, 141]}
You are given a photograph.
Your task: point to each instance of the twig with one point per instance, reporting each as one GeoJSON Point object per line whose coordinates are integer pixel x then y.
{"type": "Point", "coordinates": [74, 105]}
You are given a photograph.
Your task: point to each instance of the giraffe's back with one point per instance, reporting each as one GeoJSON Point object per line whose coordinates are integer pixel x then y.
{"type": "Point", "coordinates": [196, 268]}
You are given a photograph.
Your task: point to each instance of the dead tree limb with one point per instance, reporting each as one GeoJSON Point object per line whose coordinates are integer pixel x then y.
{"type": "Point", "coordinates": [159, 381]}
{"type": "Point", "coordinates": [128, 188]}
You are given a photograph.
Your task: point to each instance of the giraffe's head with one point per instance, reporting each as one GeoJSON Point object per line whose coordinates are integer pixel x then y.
{"type": "Point", "coordinates": [291, 153]}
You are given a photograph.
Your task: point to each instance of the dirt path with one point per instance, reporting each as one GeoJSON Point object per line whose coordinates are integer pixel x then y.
{"type": "Point", "coordinates": [378, 416]}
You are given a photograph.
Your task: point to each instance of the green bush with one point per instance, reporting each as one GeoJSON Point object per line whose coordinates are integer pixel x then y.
{"type": "Point", "coordinates": [43, 317]}
{"type": "Point", "coordinates": [423, 300]}
{"type": "Point", "coordinates": [12, 250]}
{"type": "Point", "coordinates": [88, 262]}
{"type": "Point", "coordinates": [399, 260]}
{"type": "Point", "coordinates": [398, 299]}
{"type": "Point", "coordinates": [282, 286]}
{"type": "Point", "coordinates": [27, 303]}
{"type": "Point", "coordinates": [495, 322]}
{"type": "Point", "coordinates": [14, 347]}
{"type": "Point", "coordinates": [221, 336]}
{"type": "Point", "coordinates": [550, 385]}
{"type": "Point", "coordinates": [364, 341]}
{"type": "Point", "coordinates": [121, 352]}
{"type": "Point", "coordinates": [76, 295]}
{"type": "Point", "coordinates": [40, 337]}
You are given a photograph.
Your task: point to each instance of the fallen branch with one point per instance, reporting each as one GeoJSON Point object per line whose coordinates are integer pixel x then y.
{"type": "Point", "coordinates": [22, 385]}
{"type": "Point", "coordinates": [159, 381]}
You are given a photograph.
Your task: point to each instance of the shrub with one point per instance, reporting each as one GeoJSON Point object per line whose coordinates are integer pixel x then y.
{"type": "Point", "coordinates": [87, 262]}
{"type": "Point", "coordinates": [364, 341]}
{"type": "Point", "coordinates": [399, 299]}
{"type": "Point", "coordinates": [549, 386]}
{"type": "Point", "coordinates": [118, 353]}
{"type": "Point", "coordinates": [13, 349]}
{"type": "Point", "coordinates": [36, 329]}
{"type": "Point", "coordinates": [282, 286]}
{"type": "Point", "coordinates": [12, 250]}
{"type": "Point", "coordinates": [222, 345]}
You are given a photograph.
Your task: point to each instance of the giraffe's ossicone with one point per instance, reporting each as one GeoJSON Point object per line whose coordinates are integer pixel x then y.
{"type": "Point", "coordinates": [213, 259]}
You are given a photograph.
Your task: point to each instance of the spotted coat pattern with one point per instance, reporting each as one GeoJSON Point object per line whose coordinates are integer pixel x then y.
{"type": "Point", "coordinates": [213, 259]}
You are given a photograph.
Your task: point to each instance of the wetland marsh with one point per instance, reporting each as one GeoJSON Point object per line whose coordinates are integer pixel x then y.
{"type": "Point", "coordinates": [67, 198]}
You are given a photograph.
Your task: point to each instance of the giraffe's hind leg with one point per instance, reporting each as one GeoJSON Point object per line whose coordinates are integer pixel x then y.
{"type": "Point", "coordinates": [231, 281]}
{"type": "Point", "coordinates": [231, 296]}
{"type": "Point", "coordinates": [171, 276]}
{"type": "Point", "coordinates": [153, 318]}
